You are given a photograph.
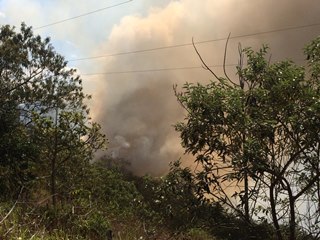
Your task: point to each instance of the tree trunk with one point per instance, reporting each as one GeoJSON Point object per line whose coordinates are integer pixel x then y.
{"type": "Point", "coordinates": [246, 197]}
{"type": "Point", "coordinates": [53, 182]}
{"type": "Point", "coordinates": [273, 211]}
{"type": "Point", "coordinates": [53, 163]}
{"type": "Point", "coordinates": [292, 223]}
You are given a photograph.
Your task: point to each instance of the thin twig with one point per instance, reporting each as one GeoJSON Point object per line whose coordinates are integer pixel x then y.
{"type": "Point", "coordinates": [14, 205]}
{"type": "Point", "coordinates": [224, 61]}
{"type": "Point", "coordinates": [24, 82]}
{"type": "Point", "coordinates": [269, 61]}
{"type": "Point", "coordinates": [205, 66]}
{"type": "Point", "coordinates": [241, 80]}
{"type": "Point", "coordinates": [178, 95]}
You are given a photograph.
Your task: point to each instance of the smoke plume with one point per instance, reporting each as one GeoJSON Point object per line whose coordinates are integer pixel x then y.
{"type": "Point", "coordinates": [137, 109]}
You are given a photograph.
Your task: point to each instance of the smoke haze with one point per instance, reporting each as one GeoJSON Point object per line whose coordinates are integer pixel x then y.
{"type": "Point", "coordinates": [137, 110]}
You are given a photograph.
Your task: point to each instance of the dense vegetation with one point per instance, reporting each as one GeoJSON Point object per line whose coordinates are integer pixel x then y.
{"type": "Point", "coordinates": [260, 135]}
{"type": "Point", "coordinates": [50, 189]}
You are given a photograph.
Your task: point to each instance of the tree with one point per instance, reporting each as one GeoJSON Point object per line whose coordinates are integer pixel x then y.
{"type": "Point", "coordinates": [43, 114]}
{"type": "Point", "coordinates": [260, 137]}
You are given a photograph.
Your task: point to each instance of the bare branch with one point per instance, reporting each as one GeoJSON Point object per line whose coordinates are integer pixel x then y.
{"type": "Point", "coordinates": [177, 95]}
{"type": "Point", "coordinates": [225, 58]}
{"type": "Point", "coordinates": [241, 81]}
{"type": "Point", "coordinates": [313, 181]}
{"type": "Point", "coordinates": [206, 67]}
{"type": "Point", "coordinates": [24, 82]}
{"type": "Point", "coordinates": [12, 208]}
{"type": "Point", "coordinates": [269, 61]}
{"type": "Point", "coordinates": [224, 61]}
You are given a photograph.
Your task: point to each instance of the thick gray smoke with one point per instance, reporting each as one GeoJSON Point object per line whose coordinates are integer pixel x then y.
{"type": "Point", "coordinates": [139, 127]}
{"type": "Point", "coordinates": [137, 110]}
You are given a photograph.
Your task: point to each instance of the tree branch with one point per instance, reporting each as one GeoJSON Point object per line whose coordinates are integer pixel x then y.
{"type": "Point", "coordinates": [314, 179]}
{"type": "Point", "coordinates": [25, 82]}
{"type": "Point", "coordinates": [14, 205]}
{"type": "Point", "coordinates": [224, 62]}
{"type": "Point", "coordinates": [206, 67]}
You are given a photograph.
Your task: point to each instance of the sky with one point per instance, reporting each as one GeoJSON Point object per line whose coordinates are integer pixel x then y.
{"type": "Point", "coordinates": [136, 106]}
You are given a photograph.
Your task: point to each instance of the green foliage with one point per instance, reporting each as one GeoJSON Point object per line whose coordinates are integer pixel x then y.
{"type": "Point", "coordinates": [48, 138]}
{"type": "Point", "coordinates": [45, 124]}
{"type": "Point", "coordinates": [94, 225]}
{"type": "Point", "coordinates": [108, 201]}
{"type": "Point", "coordinates": [264, 132]}
{"type": "Point", "coordinates": [171, 198]}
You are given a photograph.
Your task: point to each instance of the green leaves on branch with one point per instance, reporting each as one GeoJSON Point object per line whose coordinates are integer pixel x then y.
{"type": "Point", "coordinates": [41, 97]}
{"type": "Point", "coordinates": [258, 136]}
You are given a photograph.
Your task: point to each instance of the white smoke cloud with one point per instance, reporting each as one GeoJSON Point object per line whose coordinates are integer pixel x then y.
{"type": "Point", "coordinates": [141, 107]}
{"type": "Point", "coordinates": [137, 110]}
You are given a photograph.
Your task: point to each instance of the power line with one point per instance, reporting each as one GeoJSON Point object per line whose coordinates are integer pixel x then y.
{"type": "Point", "coordinates": [197, 42]}
{"type": "Point", "coordinates": [154, 70]}
{"type": "Point", "coordinates": [165, 69]}
{"type": "Point", "coordinates": [82, 15]}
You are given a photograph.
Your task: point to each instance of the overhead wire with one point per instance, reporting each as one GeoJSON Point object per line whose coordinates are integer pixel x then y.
{"type": "Point", "coordinates": [165, 69]}
{"type": "Point", "coordinates": [82, 15]}
{"type": "Point", "coordinates": [196, 42]}
{"type": "Point", "coordinates": [153, 70]}
{"type": "Point", "coordinates": [164, 47]}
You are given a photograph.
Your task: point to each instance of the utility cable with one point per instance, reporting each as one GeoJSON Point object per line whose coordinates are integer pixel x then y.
{"type": "Point", "coordinates": [153, 70]}
{"type": "Point", "coordinates": [196, 42]}
{"type": "Point", "coordinates": [166, 69]}
{"type": "Point", "coordinates": [82, 15]}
